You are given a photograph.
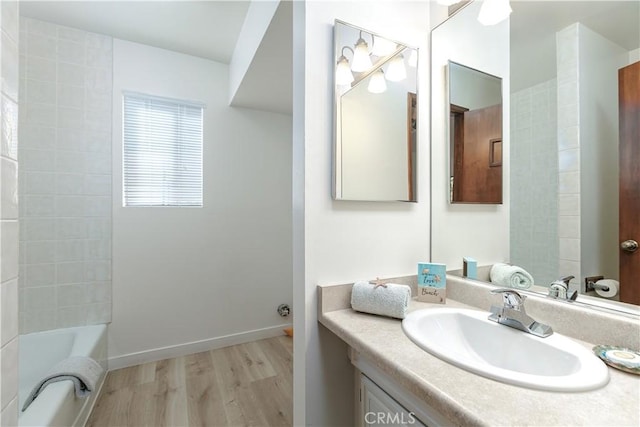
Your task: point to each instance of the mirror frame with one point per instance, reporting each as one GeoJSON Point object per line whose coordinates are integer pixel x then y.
{"type": "Point", "coordinates": [361, 78]}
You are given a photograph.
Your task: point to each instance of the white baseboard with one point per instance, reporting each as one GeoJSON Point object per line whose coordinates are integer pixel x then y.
{"type": "Point", "coordinates": [178, 350]}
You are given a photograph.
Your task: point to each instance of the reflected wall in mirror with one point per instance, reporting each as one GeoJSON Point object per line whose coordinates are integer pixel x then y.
{"type": "Point", "coordinates": [475, 135]}
{"type": "Point", "coordinates": [568, 147]}
{"type": "Point", "coordinates": [375, 117]}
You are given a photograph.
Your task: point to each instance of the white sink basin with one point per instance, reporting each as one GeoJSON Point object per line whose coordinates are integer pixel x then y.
{"type": "Point", "coordinates": [467, 339]}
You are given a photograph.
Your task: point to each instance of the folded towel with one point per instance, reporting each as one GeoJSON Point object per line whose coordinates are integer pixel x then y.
{"type": "Point", "coordinates": [389, 299]}
{"type": "Point", "coordinates": [510, 276]}
{"type": "Point", "coordinates": [84, 372]}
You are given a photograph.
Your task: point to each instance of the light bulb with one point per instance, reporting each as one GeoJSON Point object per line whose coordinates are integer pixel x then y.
{"type": "Point", "coordinates": [397, 71]}
{"type": "Point", "coordinates": [382, 47]}
{"type": "Point", "coordinates": [344, 76]}
{"type": "Point", "coordinates": [361, 60]}
{"type": "Point", "coordinates": [494, 11]}
{"type": "Point", "coordinates": [377, 83]}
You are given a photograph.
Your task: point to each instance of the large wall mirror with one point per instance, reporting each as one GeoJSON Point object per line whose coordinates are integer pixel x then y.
{"type": "Point", "coordinates": [375, 117]}
{"type": "Point", "coordinates": [567, 150]}
{"type": "Point", "coordinates": [475, 135]}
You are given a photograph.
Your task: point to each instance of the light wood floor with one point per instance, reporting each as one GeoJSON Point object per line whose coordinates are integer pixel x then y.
{"type": "Point", "coordinates": [243, 385]}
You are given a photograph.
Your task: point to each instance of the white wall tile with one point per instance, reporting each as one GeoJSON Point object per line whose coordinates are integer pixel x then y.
{"type": "Point", "coordinates": [40, 92]}
{"type": "Point", "coordinates": [40, 275]}
{"type": "Point", "coordinates": [40, 114]}
{"type": "Point", "coordinates": [569, 204]}
{"type": "Point", "coordinates": [38, 229]}
{"type": "Point", "coordinates": [10, 19]}
{"type": "Point", "coordinates": [71, 118]}
{"type": "Point", "coordinates": [71, 295]}
{"type": "Point", "coordinates": [41, 252]}
{"type": "Point", "coordinates": [71, 228]}
{"type": "Point", "coordinates": [569, 268]}
{"type": "Point", "coordinates": [38, 137]}
{"type": "Point", "coordinates": [71, 52]}
{"type": "Point", "coordinates": [37, 160]}
{"type": "Point", "coordinates": [37, 183]}
{"type": "Point", "coordinates": [569, 160]}
{"type": "Point", "coordinates": [9, 192]}
{"type": "Point", "coordinates": [10, 60]}
{"type": "Point", "coordinates": [569, 226]}
{"type": "Point", "coordinates": [71, 316]}
{"type": "Point", "coordinates": [36, 26]}
{"type": "Point", "coordinates": [71, 140]}
{"type": "Point", "coordinates": [99, 313]}
{"type": "Point", "coordinates": [40, 297]}
{"type": "Point", "coordinates": [71, 34]}
{"type": "Point", "coordinates": [9, 378]}
{"type": "Point", "coordinates": [41, 69]}
{"type": "Point", "coordinates": [70, 74]}
{"type": "Point", "coordinates": [9, 128]}
{"type": "Point", "coordinates": [41, 46]}
{"type": "Point", "coordinates": [70, 206]}
{"type": "Point", "coordinates": [569, 182]}
{"type": "Point", "coordinates": [570, 249]}
{"type": "Point", "coordinates": [69, 184]}
{"type": "Point", "coordinates": [9, 311]}
{"type": "Point", "coordinates": [66, 177]}
{"type": "Point", "coordinates": [38, 206]}
{"type": "Point", "coordinates": [69, 250]}
{"type": "Point", "coordinates": [70, 272]}
{"type": "Point", "coordinates": [9, 416]}
{"type": "Point", "coordinates": [8, 250]}
{"type": "Point", "coordinates": [70, 96]}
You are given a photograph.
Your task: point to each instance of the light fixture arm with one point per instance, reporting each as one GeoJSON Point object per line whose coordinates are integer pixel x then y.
{"type": "Point", "coordinates": [346, 47]}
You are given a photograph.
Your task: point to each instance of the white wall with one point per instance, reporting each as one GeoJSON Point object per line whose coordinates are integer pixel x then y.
{"type": "Point", "coordinates": [184, 275]}
{"type": "Point", "coordinates": [9, 214]}
{"type": "Point", "coordinates": [345, 241]}
{"type": "Point", "coordinates": [599, 61]}
{"type": "Point", "coordinates": [480, 231]}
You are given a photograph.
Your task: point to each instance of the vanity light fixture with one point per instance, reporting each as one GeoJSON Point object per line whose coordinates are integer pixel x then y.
{"type": "Point", "coordinates": [382, 47]}
{"type": "Point", "coordinates": [344, 76]}
{"type": "Point", "coordinates": [491, 12]}
{"type": "Point", "coordinates": [397, 71]}
{"type": "Point", "coordinates": [361, 59]}
{"type": "Point", "coordinates": [494, 11]}
{"type": "Point", "coordinates": [377, 84]}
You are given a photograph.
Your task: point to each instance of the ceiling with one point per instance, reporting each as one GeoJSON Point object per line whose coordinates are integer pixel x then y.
{"type": "Point", "coordinates": [207, 29]}
{"type": "Point", "coordinates": [534, 25]}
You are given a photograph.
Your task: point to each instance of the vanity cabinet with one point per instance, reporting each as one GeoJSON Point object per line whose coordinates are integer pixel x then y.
{"type": "Point", "coordinates": [377, 408]}
{"type": "Point", "coordinates": [382, 401]}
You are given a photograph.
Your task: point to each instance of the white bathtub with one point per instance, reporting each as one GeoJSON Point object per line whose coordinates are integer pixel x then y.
{"type": "Point", "coordinates": [58, 405]}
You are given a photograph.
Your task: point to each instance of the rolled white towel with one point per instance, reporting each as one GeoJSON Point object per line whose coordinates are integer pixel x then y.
{"type": "Point", "coordinates": [389, 299]}
{"type": "Point", "coordinates": [510, 276]}
{"type": "Point", "coordinates": [83, 372]}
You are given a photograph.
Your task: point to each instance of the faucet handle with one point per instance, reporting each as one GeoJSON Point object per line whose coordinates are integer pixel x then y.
{"type": "Point", "coordinates": [564, 280]}
{"type": "Point", "coordinates": [510, 297]}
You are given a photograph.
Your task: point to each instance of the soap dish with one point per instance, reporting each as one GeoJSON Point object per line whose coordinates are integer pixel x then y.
{"type": "Point", "coordinates": [619, 358]}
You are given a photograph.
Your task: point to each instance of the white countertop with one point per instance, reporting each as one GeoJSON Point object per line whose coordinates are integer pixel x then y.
{"type": "Point", "coordinates": [469, 399]}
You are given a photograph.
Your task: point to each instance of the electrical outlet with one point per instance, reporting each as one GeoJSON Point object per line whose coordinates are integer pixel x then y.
{"type": "Point", "coordinates": [591, 279]}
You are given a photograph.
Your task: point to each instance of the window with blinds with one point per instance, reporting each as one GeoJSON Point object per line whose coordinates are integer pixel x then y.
{"type": "Point", "coordinates": [162, 158]}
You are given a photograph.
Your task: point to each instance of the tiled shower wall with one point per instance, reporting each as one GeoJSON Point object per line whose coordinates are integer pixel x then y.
{"type": "Point", "coordinates": [568, 150]}
{"type": "Point", "coordinates": [65, 176]}
{"type": "Point", "coordinates": [9, 214]}
{"type": "Point", "coordinates": [534, 174]}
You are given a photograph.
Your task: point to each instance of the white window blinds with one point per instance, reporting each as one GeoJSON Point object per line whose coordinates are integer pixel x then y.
{"type": "Point", "coordinates": [162, 159]}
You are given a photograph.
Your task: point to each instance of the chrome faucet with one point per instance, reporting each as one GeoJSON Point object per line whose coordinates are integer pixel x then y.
{"type": "Point", "coordinates": [512, 314]}
{"type": "Point", "coordinates": [560, 289]}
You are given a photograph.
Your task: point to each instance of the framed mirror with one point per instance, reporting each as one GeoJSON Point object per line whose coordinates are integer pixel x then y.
{"type": "Point", "coordinates": [475, 135]}
{"type": "Point", "coordinates": [564, 146]}
{"type": "Point", "coordinates": [375, 117]}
